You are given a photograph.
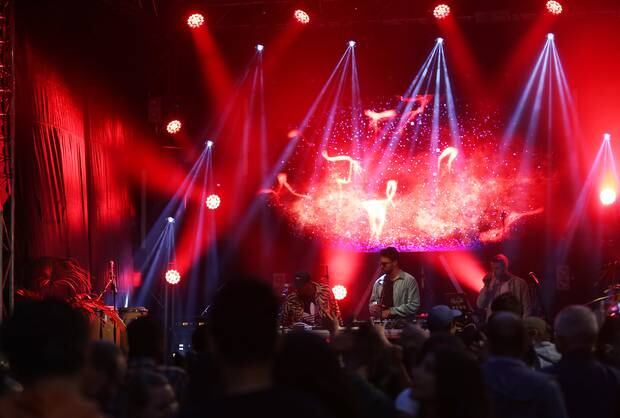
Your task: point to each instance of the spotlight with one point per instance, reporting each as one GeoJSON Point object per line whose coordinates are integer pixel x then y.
{"type": "Point", "coordinates": [339, 291]}
{"type": "Point", "coordinates": [441, 11]}
{"type": "Point", "coordinates": [550, 36]}
{"type": "Point", "coordinates": [302, 17]}
{"type": "Point", "coordinates": [607, 196]}
{"type": "Point", "coordinates": [170, 219]}
{"type": "Point", "coordinates": [213, 201]}
{"type": "Point", "coordinates": [195, 21]}
{"type": "Point", "coordinates": [209, 143]}
{"type": "Point", "coordinates": [260, 47]}
{"type": "Point", "coordinates": [439, 40]}
{"type": "Point", "coordinates": [351, 44]}
{"type": "Point", "coordinates": [554, 7]}
{"type": "Point", "coordinates": [607, 137]}
{"type": "Point", "coordinates": [172, 276]}
{"type": "Point", "coordinates": [173, 126]}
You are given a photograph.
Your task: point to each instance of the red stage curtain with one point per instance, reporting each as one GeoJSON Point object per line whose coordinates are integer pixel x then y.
{"type": "Point", "coordinates": [70, 203]}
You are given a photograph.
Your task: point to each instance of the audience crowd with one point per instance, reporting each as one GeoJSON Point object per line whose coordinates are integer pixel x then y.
{"type": "Point", "coordinates": [509, 366]}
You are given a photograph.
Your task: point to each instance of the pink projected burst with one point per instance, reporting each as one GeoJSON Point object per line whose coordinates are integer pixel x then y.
{"type": "Point", "coordinates": [389, 186]}
{"type": "Point", "coordinates": [435, 209]}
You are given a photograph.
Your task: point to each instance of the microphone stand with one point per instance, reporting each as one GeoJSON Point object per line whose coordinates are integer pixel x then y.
{"type": "Point", "coordinates": [536, 286]}
{"type": "Point", "coordinates": [114, 287]}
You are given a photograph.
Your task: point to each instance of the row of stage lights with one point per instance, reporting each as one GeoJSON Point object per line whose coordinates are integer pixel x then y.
{"type": "Point", "coordinates": [440, 11]}
{"type": "Point", "coordinates": [173, 278]}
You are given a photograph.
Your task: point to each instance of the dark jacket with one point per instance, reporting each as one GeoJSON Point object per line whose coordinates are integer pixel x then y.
{"type": "Point", "coordinates": [519, 392]}
{"type": "Point", "coordinates": [591, 388]}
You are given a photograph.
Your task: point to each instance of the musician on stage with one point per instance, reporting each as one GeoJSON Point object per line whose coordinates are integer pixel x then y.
{"type": "Point", "coordinates": [499, 281]}
{"type": "Point", "coordinates": [311, 303]}
{"type": "Point", "coordinates": [395, 294]}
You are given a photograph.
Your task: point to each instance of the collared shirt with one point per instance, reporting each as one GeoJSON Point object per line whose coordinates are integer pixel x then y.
{"type": "Point", "coordinates": [324, 302]}
{"type": "Point", "coordinates": [406, 294]}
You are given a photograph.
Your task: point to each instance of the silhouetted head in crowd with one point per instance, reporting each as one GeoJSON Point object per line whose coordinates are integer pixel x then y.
{"type": "Point", "coordinates": [447, 381]}
{"type": "Point", "coordinates": [149, 395]}
{"type": "Point", "coordinates": [441, 319]}
{"type": "Point", "coordinates": [243, 323]}
{"type": "Point", "coordinates": [608, 344]}
{"type": "Point", "coordinates": [507, 302]}
{"type": "Point", "coordinates": [103, 374]}
{"type": "Point", "coordinates": [537, 329]}
{"type": "Point", "coordinates": [388, 258]}
{"type": "Point", "coordinates": [506, 334]}
{"type": "Point", "coordinates": [146, 339]}
{"type": "Point", "coordinates": [575, 330]}
{"type": "Point", "coordinates": [44, 339]}
{"type": "Point", "coordinates": [200, 339]}
{"type": "Point", "coordinates": [307, 363]}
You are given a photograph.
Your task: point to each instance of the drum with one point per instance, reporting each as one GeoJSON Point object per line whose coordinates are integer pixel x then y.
{"type": "Point", "coordinates": [131, 313]}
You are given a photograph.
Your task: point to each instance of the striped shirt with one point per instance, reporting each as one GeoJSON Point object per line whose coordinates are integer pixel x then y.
{"type": "Point", "coordinates": [324, 302]}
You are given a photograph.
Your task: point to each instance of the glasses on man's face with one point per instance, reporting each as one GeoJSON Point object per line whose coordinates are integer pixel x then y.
{"type": "Point", "coordinates": [385, 263]}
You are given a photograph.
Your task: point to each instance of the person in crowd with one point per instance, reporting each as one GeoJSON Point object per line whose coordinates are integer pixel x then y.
{"type": "Point", "coordinates": [45, 342]}
{"type": "Point", "coordinates": [146, 352]}
{"type": "Point", "coordinates": [375, 359]}
{"type": "Point", "coordinates": [507, 302]}
{"type": "Point", "coordinates": [311, 303]}
{"type": "Point", "coordinates": [204, 380]}
{"type": "Point", "coordinates": [368, 363]}
{"type": "Point", "coordinates": [608, 344]}
{"type": "Point", "coordinates": [307, 363]}
{"type": "Point", "coordinates": [447, 382]}
{"type": "Point", "coordinates": [149, 395]}
{"type": "Point", "coordinates": [395, 294]}
{"type": "Point", "coordinates": [441, 319]}
{"type": "Point", "coordinates": [103, 375]}
{"type": "Point", "coordinates": [591, 389]}
{"type": "Point", "coordinates": [243, 343]}
{"type": "Point", "coordinates": [539, 333]}
{"type": "Point", "coordinates": [515, 389]}
{"type": "Point", "coordinates": [499, 281]}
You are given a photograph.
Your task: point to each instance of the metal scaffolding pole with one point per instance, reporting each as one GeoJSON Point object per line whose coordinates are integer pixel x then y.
{"type": "Point", "coordinates": [7, 143]}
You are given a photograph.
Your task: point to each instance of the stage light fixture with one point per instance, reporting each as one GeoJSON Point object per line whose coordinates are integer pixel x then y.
{"type": "Point", "coordinates": [302, 17]}
{"type": "Point", "coordinates": [351, 44]}
{"type": "Point", "coordinates": [607, 137]}
{"type": "Point", "coordinates": [550, 36]}
{"type": "Point", "coordinates": [339, 291]}
{"type": "Point", "coordinates": [195, 20]}
{"type": "Point", "coordinates": [439, 40]}
{"type": "Point", "coordinates": [554, 7]}
{"type": "Point", "coordinates": [607, 196]}
{"type": "Point", "coordinates": [172, 276]}
{"type": "Point", "coordinates": [209, 143]}
{"type": "Point", "coordinates": [260, 47]}
{"type": "Point", "coordinates": [170, 219]}
{"type": "Point", "coordinates": [213, 201]}
{"type": "Point", "coordinates": [441, 11]}
{"type": "Point", "coordinates": [173, 126]}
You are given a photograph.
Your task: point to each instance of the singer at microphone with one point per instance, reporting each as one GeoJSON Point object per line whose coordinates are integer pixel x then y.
{"type": "Point", "coordinates": [499, 281]}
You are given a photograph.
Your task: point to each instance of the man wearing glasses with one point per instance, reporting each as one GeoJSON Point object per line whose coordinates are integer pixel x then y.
{"type": "Point", "coordinates": [395, 294]}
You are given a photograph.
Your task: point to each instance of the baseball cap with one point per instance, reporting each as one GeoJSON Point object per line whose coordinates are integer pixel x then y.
{"type": "Point", "coordinates": [441, 316]}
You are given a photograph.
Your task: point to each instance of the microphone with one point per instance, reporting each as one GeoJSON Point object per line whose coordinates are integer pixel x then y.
{"type": "Point", "coordinates": [534, 278]}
